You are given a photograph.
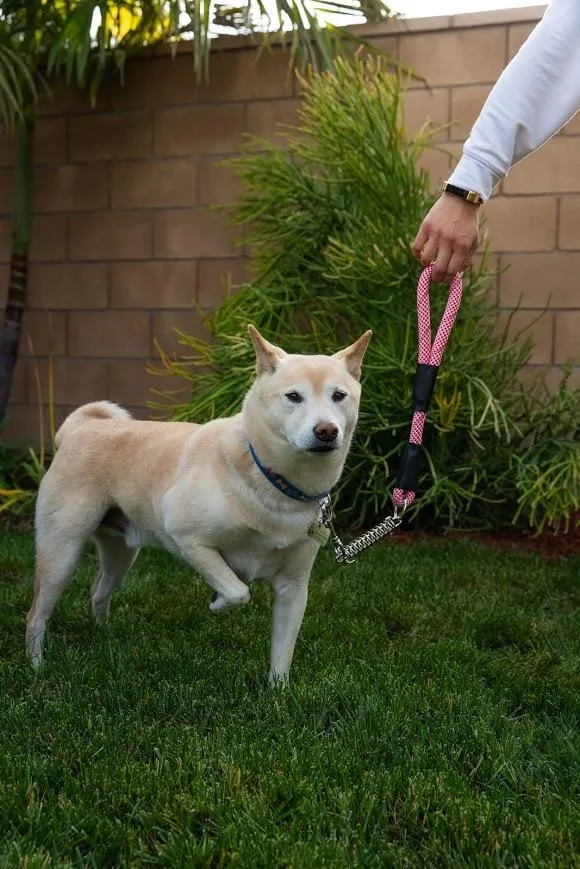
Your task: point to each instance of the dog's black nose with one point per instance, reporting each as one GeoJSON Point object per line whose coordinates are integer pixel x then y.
{"type": "Point", "coordinates": [325, 432]}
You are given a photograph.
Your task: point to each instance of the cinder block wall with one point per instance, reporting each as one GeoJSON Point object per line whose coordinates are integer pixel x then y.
{"type": "Point", "coordinates": [123, 241]}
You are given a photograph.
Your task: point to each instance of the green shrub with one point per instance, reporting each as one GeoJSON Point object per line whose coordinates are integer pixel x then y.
{"type": "Point", "coordinates": [20, 473]}
{"type": "Point", "coordinates": [22, 468]}
{"type": "Point", "coordinates": [329, 219]}
{"type": "Point", "coordinates": [546, 460]}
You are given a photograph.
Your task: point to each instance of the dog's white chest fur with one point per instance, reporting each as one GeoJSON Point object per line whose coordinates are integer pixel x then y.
{"type": "Point", "coordinates": [254, 562]}
{"type": "Point", "coordinates": [253, 555]}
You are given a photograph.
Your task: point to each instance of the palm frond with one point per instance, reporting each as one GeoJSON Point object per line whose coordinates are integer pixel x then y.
{"type": "Point", "coordinates": [305, 27]}
{"type": "Point", "coordinates": [79, 38]}
{"type": "Point", "coordinates": [17, 87]}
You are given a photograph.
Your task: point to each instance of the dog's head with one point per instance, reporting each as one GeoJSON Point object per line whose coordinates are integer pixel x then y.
{"type": "Point", "coordinates": [309, 403]}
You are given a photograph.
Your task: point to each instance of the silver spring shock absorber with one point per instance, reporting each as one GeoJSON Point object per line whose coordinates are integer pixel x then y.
{"type": "Point", "coordinates": [350, 551]}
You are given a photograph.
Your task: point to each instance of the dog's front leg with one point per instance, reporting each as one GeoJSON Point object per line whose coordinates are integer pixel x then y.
{"type": "Point", "coordinates": [290, 596]}
{"type": "Point", "coordinates": [230, 591]}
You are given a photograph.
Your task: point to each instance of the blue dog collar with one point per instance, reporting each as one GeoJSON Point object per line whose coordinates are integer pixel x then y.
{"type": "Point", "coordinates": [282, 484]}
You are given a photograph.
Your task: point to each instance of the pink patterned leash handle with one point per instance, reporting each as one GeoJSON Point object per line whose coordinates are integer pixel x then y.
{"type": "Point", "coordinates": [429, 359]}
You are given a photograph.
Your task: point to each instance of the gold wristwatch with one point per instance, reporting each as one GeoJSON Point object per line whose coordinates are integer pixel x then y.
{"type": "Point", "coordinates": [467, 195]}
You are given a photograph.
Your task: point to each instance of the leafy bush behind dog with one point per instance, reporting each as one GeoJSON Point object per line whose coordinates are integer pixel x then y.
{"type": "Point", "coordinates": [328, 220]}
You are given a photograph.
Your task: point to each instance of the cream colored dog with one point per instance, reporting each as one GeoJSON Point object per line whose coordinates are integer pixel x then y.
{"type": "Point", "coordinates": [236, 497]}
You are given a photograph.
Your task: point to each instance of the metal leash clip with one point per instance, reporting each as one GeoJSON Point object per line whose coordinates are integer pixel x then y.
{"type": "Point", "coordinates": [347, 553]}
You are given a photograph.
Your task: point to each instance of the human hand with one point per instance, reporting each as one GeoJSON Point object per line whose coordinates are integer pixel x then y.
{"type": "Point", "coordinates": [448, 237]}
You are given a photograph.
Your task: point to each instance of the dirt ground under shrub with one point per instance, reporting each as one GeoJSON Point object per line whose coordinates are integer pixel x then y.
{"type": "Point", "coordinates": [547, 544]}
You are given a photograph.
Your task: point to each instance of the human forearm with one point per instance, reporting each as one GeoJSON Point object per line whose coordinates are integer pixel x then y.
{"type": "Point", "coordinates": [533, 98]}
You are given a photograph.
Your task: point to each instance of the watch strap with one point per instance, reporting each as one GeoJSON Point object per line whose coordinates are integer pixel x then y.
{"type": "Point", "coordinates": [468, 195]}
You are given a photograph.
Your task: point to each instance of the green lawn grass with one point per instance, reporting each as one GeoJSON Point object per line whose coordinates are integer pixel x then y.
{"type": "Point", "coordinates": [432, 719]}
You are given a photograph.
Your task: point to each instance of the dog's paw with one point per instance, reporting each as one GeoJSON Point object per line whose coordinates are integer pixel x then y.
{"type": "Point", "coordinates": [278, 680]}
{"type": "Point", "coordinates": [100, 610]}
{"type": "Point", "coordinates": [221, 604]}
{"type": "Point", "coordinates": [35, 662]}
{"type": "Point", "coordinates": [216, 603]}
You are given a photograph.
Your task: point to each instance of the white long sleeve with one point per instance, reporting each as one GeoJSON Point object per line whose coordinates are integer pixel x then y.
{"type": "Point", "coordinates": [537, 93]}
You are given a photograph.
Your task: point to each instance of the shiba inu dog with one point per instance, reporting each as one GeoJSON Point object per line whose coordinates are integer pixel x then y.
{"type": "Point", "coordinates": [237, 498]}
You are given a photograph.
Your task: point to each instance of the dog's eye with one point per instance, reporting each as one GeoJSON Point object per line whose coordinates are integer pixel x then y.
{"type": "Point", "coordinates": [294, 397]}
{"type": "Point", "coordinates": [338, 395]}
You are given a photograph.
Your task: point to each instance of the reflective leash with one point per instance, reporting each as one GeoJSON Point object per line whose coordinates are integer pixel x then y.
{"type": "Point", "coordinates": [428, 361]}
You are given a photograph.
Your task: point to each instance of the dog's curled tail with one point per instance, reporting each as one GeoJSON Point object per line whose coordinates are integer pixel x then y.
{"type": "Point", "coordinates": [94, 410]}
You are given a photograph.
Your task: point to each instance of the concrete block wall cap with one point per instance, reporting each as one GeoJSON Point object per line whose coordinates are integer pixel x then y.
{"type": "Point", "coordinates": [385, 28]}
{"type": "Point", "coordinates": [498, 16]}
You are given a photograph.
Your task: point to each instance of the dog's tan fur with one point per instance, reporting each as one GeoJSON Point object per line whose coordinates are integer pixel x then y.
{"type": "Point", "coordinates": [196, 490]}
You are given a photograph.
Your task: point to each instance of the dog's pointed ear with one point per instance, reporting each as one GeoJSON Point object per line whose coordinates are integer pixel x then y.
{"type": "Point", "coordinates": [352, 356]}
{"type": "Point", "coordinates": [267, 355]}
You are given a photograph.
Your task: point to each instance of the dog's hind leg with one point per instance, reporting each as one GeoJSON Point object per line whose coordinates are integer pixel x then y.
{"type": "Point", "coordinates": [116, 559]}
{"type": "Point", "coordinates": [56, 557]}
{"type": "Point", "coordinates": [63, 526]}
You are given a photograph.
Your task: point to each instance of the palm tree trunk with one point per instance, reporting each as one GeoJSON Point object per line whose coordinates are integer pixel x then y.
{"type": "Point", "coordinates": [18, 280]}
